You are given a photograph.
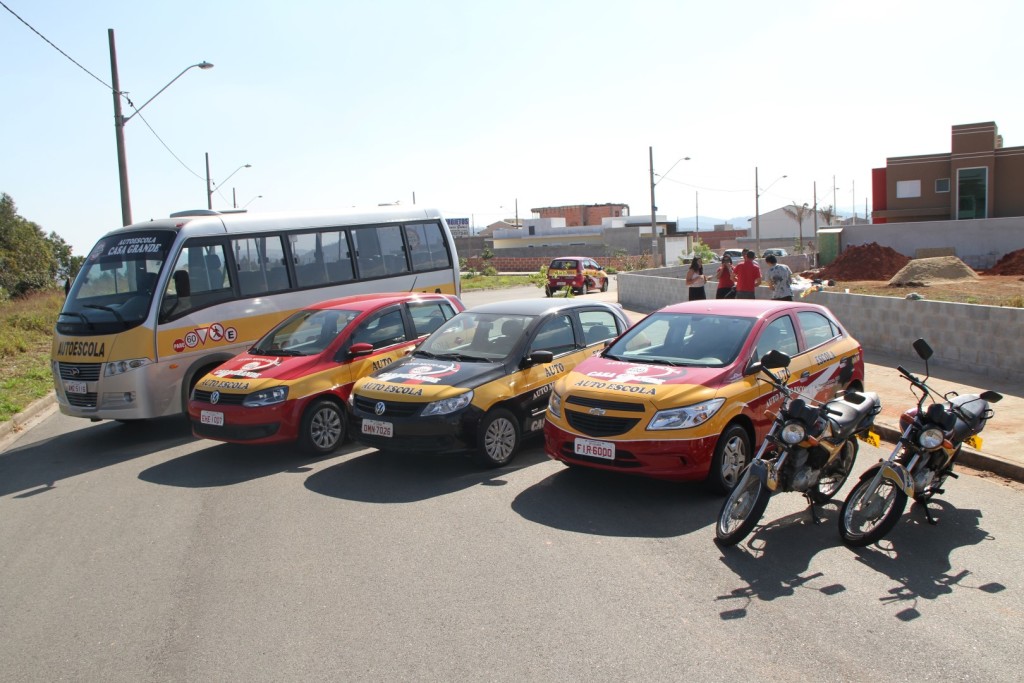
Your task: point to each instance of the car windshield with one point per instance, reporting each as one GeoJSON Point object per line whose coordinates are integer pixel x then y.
{"type": "Point", "coordinates": [684, 339]}
{"type": "Point", "coordinates": [306, 333]}
{"type": "Point", "coordinates": [115, 287]}
{"type": "Point", "coordinates": [470, 336]}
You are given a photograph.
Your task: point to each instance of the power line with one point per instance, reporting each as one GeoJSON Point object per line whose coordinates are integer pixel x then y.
{"type": "Point", "coordinates": [105, 85]}
{"type": "Point", "coordinates": [32, 28]}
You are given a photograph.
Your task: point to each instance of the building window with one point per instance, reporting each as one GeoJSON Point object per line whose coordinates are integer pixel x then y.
{"type": "Point", "coordinates": [972, 193]}
{"type": "Point", "coordinates": [941, 185]}
{"type": "Point", "coordinates": [908, 189]}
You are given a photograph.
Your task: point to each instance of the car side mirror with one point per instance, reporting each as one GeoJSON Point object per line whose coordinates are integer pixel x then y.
{"type": "Point", "coordinates": [753, 368]}
{"type": "Point", "coordinates": [360, 349]}
{"type": "Point", "coordinates": [539, 358]}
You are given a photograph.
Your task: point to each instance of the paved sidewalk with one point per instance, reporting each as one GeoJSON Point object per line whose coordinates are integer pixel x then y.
{"type": "Point", "coordinates": [1001, 451]}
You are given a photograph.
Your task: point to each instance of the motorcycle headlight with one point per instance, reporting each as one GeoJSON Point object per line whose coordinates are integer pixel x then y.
{"type": "Point", "coordinates": [684, 418]}
{"type": "Point", "coordinates": [555, 404]}
{"type": "Point", "coordinates": [930, 438]}
{"type": "Point", "coordinates": [119, 367]}
{"type": "Point", "coordinates": [448, 405]}
{"type": "Point", "coordinates": [266, 397]}
{"type": "Point", "coordinates": [793, 432]}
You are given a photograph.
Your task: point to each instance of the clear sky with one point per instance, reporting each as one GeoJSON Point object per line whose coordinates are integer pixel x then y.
{"type": "Point", "coordinates": [473, 105]}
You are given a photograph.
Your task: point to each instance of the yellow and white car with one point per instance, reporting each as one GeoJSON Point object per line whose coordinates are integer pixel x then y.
{"type": "Point", "coordinates": [581, 274]}
{"type": "Point", "coordinates": [480, 382]}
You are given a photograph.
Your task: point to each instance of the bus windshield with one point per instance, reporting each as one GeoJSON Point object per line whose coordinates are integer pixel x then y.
{"type": "Point", "coordinates": [114, 290]}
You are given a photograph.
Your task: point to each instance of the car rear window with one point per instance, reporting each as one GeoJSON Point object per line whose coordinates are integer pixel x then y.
{"type": "Point", "coordinates": [563, 264]}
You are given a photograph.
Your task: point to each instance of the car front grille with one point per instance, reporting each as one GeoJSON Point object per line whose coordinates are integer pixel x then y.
{"type": "Point", "coordinates": [599, 425]}
{"type": "Point", "coordinates": [391, 408]}
{"type": "Point", "coordinates": [222, 400]}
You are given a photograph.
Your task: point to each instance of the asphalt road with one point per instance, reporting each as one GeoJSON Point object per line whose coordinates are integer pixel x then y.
{"type": "Point", "coordinates": [142, 554]}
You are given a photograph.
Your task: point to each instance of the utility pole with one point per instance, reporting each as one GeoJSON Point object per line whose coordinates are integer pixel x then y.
{"type": "Point", "coordinates": [209, 186]}
{"type": "Point", "coordinates": [654, 209]}
{"type": "Point", "coordinates": [757, 214]}
{"type": "Point", "coordinates": [122, 157]}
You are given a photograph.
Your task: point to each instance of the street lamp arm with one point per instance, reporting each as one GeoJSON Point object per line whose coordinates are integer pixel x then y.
{"type": "Point", "coordinates": [201, 65]}
{"type": "Point", "coordinates": [234, 172]}
{"type": "Point", "coordinates": [662, 176]}
{"type": "Point", "coordinates": [770, 185]}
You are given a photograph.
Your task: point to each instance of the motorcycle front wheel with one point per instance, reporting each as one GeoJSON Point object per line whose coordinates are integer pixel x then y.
{"type": "Point", "coordinates": [866, 519]}
{"type": "Point", "coordinates": [830, 482]}
{"type": "Point", "coordinates": [742, 510]}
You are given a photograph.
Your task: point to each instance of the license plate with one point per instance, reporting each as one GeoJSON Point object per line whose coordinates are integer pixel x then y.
{"type": "Point", "coordinates": [378, 428]}
{"type": "Point", "coordinates": [974, 441]}
{"type": "Point", "coordinates": [211, 417]}
{"type": "Point", "coordinates": [76, 388]}
{"type": "Point", "coordinates": [595, 449]}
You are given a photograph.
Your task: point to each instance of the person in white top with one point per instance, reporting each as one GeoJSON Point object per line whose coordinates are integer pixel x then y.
{"type": "Point", "coordinates": [780, 277]}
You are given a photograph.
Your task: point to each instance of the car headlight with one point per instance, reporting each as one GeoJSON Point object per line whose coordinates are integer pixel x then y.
{"type": "Point", "coordinates": [555, 404]}
{"type": "Point", "coordinates": [119, 367]}
{"type": "Point", "coordinates": [793, 432]}
{"type": "Point", "coordinates": [684, 418]}
{"type": "Point", "coordinates": [930, 438]}
{"type": "Point", "coordinates": [266, 397]}
{"type": "Point", "coordinates": [448, 405]}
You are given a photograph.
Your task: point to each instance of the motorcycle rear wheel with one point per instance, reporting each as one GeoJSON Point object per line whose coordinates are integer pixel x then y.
{"type": "Point", "coordinates": [865, 520]}
{"type": "Point", "coordinates": [828, 486]}
{"type": "Point", "coordinates": [742, 510]}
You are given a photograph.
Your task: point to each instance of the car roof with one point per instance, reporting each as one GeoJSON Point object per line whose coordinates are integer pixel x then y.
{"type": "Point", "coordinates": [366, 302]}
{"type": "Point", "coordinates": [538, 306]}
{"type": "Point", "coordinates": [754, 308]}
{"type": "Point", "coordinates": [571, 258]}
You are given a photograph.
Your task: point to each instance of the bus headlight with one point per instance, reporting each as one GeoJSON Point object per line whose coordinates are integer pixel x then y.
{"type": "Point", "coordinates": [119, 367]}
{"type": "Point", "coordinates": [266, 397]}
{"type": "Point", "coordinates": [684, 418]}
{"type": "Point", "coordinates": [555, 404]}
{"type": "Point", "coordinates": [448, 405]}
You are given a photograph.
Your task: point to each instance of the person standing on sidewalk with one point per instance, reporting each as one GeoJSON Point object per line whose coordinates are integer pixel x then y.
{"type": "Point", "coordinates": [696, 279]}
{"type": "Point", "coordinates": [748, 275]}
{"type": "Point", "coordinates": [780, 277]}
{"type": "Point", "coordinates": [726, 283]}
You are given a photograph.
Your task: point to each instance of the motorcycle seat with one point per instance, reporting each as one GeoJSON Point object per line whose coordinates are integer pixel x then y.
{"type": "Point", "coordinates": [976, 409]}
{"type": "Point", "coordinates": [848, 418]}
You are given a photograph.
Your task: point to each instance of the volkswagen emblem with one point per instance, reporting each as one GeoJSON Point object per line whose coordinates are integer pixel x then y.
{"type": "Point", "coordinates": [215, 397]}
{"type": "Point", "coordinates": [596, 411]}
{"type": "Point", "coordinates": [378, 409]}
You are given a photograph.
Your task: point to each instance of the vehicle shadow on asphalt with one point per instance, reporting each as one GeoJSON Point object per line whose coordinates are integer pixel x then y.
{"type": "Point", "coordinates": [611, 504]}
{"type": "Point", "coordinates": [774, 561]}
{"type": "Point", "coordinates": [916, 556]}
{"type": "Point", "coordinates": [397, 477]}
{"type": "Point", "coordinates": [227, 464]}
{"type": "Point", "coordinates": [37, 468]}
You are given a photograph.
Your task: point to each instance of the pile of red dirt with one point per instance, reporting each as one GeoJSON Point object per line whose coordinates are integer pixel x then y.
{"type": "Point", "coordinates": [865, 262]}
{"type": "Point", "coordinates": [1010, 264]}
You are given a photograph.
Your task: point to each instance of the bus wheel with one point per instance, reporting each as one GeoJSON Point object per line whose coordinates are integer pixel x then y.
{"type": "Point", "coordinates": [323, 427]}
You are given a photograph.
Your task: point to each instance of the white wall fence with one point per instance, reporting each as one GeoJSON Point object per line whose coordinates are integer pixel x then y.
{"type": "Point", "coordinates": [981, 339]}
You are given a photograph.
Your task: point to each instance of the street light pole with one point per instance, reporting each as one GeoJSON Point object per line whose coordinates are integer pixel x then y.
{"type": "Point", "coordinates": [654, 209]}
{"type": "Point", "coordinates": [120, 120]}
{"type": "Point", "coordinates": [757, 209]}
{"type": "Point", "coordinates": [209, 183]}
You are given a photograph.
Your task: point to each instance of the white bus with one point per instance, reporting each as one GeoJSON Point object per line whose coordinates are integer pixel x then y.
{"type": "Point", "coordinates": [158, 304]}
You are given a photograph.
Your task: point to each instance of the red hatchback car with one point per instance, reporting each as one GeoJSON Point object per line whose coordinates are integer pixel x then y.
{"type": "Point", "coordinates": [293, 383]}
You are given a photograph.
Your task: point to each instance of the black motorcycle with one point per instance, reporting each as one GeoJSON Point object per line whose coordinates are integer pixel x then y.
{"type": "Point", "coordinates": [810, 448]}
{"type": "Point", "coordinates": [921, 461]}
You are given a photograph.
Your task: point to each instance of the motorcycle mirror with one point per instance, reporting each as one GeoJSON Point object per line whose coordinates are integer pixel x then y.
{"type": "Point", "coordinates": [922, 348]}
{"type": "Point", "coordinates": [775, 359]}
{"type": "Point", "coordinates": [991, 396]}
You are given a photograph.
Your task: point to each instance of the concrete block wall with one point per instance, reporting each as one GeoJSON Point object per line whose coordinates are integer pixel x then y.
{"type": "Point", "coordinates": [981, 339]}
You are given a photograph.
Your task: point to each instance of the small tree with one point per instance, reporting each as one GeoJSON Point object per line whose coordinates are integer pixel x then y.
{"type": "Point", "coordinates": [798, 212]}
{"type": "Point", "coordinates": [828, 213]}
